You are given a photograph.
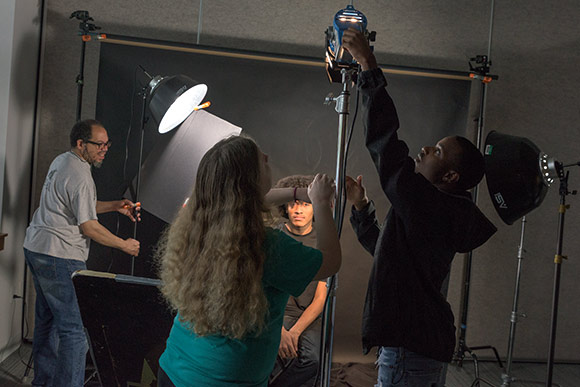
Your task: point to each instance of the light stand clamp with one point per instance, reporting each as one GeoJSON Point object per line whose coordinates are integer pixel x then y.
{"type": "Point", "coordinates": [86, 30]}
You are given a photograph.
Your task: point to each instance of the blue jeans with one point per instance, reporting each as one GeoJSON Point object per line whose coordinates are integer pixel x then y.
{"type": "Point", "coordinates": [300, 371]}
{"type": "Point", "coordinates": [399, 367]}
{"type": "Point", "coordinates": [60, 346]}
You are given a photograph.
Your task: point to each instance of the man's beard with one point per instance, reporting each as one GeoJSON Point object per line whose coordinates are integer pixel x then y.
{"type": "Point", "coordinates": [88, 159]}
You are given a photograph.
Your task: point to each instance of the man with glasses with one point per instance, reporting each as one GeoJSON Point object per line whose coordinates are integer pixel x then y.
{"type": "Point", "coordinates": [57, 244]}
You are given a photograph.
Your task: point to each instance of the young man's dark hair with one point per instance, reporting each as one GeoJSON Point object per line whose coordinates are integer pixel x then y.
{"type": "Point", "coordinates": [469, 164]}
{"type": "Point", "coordinates": [298, 181]}
{"type": "Point", "coordinates": [82, 130]}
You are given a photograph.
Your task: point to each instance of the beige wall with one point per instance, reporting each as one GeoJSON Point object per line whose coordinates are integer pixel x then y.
{"type": "Point", "coordinates": [535, 52]}
{"type": "Point", "coordinates": [19, 47]}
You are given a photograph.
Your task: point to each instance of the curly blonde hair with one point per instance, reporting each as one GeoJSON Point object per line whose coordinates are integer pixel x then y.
{"type": "Point", "coordinates": [211, 258]}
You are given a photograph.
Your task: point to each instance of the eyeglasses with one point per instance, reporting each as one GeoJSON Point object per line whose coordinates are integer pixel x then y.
{"type": "Point", "coordinates": [101, 145]}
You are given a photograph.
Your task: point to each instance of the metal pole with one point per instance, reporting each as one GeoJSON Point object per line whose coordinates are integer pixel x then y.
{"type": "Point", "coordinates": [199, 20]}
{"type": "Point", "coordinates": [342, 105]}
{"type": "Point", "coordinates": [81, 80]}
{"type": "Point", "coordinates": [557, 268]}
{"type": "Point", "coordinates": [506, 377]}
{"type": "Point", "coordinates": [143, 110]}
{"type": "Point", "coordinates": [461, 345]}
{"type": "Point", "coordinates": [489, 38]}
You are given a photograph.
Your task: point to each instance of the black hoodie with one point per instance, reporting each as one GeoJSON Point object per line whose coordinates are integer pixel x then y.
{"type": "Point", "coordinates": [413, 250]}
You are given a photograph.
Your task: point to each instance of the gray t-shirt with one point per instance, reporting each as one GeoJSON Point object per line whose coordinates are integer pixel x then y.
{"type": "Point", "coordinates": [68, 199]}
{"type": "Point", "coordinates": [297, 305]}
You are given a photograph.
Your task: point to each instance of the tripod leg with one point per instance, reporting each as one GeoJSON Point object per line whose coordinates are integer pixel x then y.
{"type": "Point", "coordinates": [95, 372]}
{"type": "Point", "coordinates": [497, 357]}
{"type": "Point", "coordinates": [475, 365]}
{"type": "Point", "coordinates": [28, 365]}
{"type": "Point", "coordinates": [478, 380]}
{"type": "Point", "coordinates": [494, 351]}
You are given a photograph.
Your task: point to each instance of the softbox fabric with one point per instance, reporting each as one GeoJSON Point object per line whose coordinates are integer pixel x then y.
{"type": "Point", "coordinates": [514, 180]}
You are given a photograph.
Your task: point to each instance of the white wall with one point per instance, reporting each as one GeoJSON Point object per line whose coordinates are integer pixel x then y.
{"type": "Point", "coordinates": [20, 22]}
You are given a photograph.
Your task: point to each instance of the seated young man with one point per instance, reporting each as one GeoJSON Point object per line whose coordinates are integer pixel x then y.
{"type": "Point", "coordinates": [299, 350]}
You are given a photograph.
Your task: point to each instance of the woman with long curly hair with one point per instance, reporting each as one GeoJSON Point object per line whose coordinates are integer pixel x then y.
{"type": "Point", "coordinates": [229, 276]}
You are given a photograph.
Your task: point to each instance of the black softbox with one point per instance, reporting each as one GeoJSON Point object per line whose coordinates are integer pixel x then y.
{"type": "Point", "coordinates": [517, 173]}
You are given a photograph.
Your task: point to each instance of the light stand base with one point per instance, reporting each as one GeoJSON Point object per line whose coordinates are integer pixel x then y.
{"type": "Point", "coordinates": [460, 356]}
{"type": "Point", "coordinates": [508, 380]}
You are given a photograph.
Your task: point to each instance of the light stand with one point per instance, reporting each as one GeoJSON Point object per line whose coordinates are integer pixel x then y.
{"type": "Point", "coordinates": [515, 191]}
{"type": "Point", "coordinates": [558, 263]}
{"type": "Point", "coordinates": [506, 377]}
{"type": "Point", "coordinates": [143, 120]}
{"type": "Point", "coordinates": [341, 68]}
{"type": "Point", "coordinates": [342, 105]}
{"type": "Point", "coordinates": [481, 73]}
{"type": "Point", "coordinates": [171, 100]}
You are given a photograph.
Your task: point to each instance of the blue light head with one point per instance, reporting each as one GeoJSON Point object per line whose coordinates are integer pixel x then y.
{"type": "Point", "coordinates": [343, 20]}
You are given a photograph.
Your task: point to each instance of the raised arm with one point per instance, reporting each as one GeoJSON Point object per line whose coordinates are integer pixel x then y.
{"type": "Point", "coordinates": [321, 192]}
{"type": "Point", "coordinates": [380, 116]}
{"type": "Point", "coordinates": [278, 196]}
{"type": "Point", "coordinates": [396, 170]}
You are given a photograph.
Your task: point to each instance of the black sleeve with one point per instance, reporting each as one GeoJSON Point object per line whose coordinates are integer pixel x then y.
{"type": "Point", "coordinates": [366, 227]}
{"type": "Point", "coordinates": [408, 192]}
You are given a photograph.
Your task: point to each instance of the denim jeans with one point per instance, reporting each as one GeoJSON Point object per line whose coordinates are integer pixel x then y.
{"type": "Point", "coordinates": [399, 367]}
{"type": "Point", "coordinates": [300, 371]}
{"type": "Point", "coordinates": [60, 346]}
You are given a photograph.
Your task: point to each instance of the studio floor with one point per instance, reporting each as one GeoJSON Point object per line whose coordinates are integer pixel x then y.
{"type": "Point", "coordinates": [13, 370]}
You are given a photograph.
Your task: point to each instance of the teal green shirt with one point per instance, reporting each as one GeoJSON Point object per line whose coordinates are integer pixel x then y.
{"type": "Point", "coordinates": [190, 360]}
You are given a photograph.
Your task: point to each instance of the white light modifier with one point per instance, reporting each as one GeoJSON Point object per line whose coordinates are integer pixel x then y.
{"type": "Point", "coordinates": [182, 108]}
